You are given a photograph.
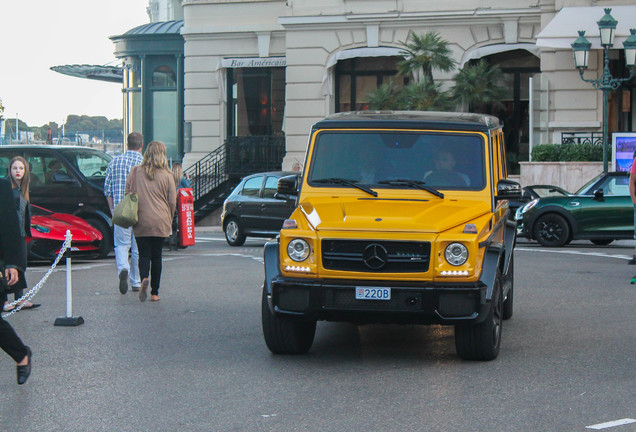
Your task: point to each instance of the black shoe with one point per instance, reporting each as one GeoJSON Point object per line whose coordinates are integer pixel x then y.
{"type": "Point", "coordinates": [123, 281]}
{"type": "Point", "coordinates": [632, 261]}
{"type": "Point", "coordinates": [25, 371]}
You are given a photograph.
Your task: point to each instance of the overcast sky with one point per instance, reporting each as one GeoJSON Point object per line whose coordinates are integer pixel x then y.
{"type": "Point", "coordinates": [38, 34]}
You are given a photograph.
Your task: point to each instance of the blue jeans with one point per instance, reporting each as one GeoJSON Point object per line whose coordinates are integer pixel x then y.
{"type": "Point", "coordinates": [124, 241]}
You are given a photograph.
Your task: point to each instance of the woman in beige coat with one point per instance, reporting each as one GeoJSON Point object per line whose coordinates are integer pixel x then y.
{"type": "Point", "coordinates": [153, 182]}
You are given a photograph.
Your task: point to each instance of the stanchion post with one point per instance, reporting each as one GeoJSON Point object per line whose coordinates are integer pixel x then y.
{"type": "Point", "coordinates": [69, 320]}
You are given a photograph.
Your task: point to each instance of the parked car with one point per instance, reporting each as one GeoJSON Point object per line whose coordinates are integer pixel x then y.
{"type": "Point", "coordinates": [533, 192]}
{"type": "Point", "coordinates": [67, 179]}
{"type": "Point", "coordinates": [601, 211]}
{"type": "Point", "coordinates": [48, 233]}
{"type": "Point", "coordinates": [253, 210]}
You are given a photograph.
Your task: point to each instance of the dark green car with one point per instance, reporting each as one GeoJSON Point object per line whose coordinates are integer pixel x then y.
{"type": "Point", "coordinates": [601, 211]}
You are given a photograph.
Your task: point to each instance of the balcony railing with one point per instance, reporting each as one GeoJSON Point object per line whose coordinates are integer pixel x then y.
{"type": "Point", "coordinates": [252, 154]}
{"type": "Point", "coordinates": [582, 138]}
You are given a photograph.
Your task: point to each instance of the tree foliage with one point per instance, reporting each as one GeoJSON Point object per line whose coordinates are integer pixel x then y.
{"type": "Point", "coordinates": [424, 54]}
{"type": "Point", "coordinates": [479, 85]}
{"type": "Point", "coordinates": [388, 96]}
{"type": "Point", "coordinates": [425, 95]}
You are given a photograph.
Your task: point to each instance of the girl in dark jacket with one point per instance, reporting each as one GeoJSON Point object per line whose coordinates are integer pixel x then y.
{"type": "Point", "coordinates": [20, 177]}
{"type": "Point", "coordinates": [13, 258]}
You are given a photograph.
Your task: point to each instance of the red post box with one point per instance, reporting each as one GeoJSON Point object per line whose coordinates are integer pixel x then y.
{"type": "Point", "coordinates": [185, 212]}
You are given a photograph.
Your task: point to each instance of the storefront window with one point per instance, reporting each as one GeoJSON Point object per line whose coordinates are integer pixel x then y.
{"type": "Point", "coordinates": [357, 77]}
{"type": "Point", "coordinates": [256, 101]}
{"type": "Point", "coordinates": [164, 76]}
{"type": "Point", "coordinates": [164, 121]}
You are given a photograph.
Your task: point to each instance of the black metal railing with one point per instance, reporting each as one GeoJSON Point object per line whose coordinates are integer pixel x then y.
{"type": "Point", "coordinates": [208, 173]}
{"type": "Point", "coordinates": [582, 138]}
{"type": "Point", "coordinates": [238, 157]}
{"type": "Point", "coordinates": [252, 154]}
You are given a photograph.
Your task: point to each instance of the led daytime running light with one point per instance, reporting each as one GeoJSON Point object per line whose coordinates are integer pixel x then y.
{"type": "Point", "coordinates": [454, 273]}
{"type": "Point", "coordinates": [297, 269]}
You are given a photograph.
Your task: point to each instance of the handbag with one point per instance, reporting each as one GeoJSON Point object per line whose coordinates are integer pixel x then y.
{"type": "Point", "coordinates": [126, 211]}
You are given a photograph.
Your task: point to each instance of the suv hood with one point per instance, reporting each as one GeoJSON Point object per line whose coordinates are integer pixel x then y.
{"type": "Point", "coordinates": [377, 214]}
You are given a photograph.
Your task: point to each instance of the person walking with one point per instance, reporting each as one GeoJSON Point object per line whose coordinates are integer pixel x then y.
{"type": "Point", "coordinates": [114, 189]}
{"type": "Point", "coordinates": [157, 194]}
{"type": "Point", "coordinates": [20, 178]}
{"type": "Point", "coordinates": [181, 178]}
{"type": "Point", "coordinates": [13, 258]}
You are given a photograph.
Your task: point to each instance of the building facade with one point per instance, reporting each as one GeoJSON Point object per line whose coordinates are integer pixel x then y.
{"type": "Point", "coordinates": [272, 68]}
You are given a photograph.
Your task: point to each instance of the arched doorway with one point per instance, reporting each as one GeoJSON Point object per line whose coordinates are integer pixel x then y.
{"type": "Point", "coordinates": [518, 66]}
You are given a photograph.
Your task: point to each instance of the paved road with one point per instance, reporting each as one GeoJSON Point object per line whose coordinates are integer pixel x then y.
{"type": "Point", "coordinates": [196, 361]}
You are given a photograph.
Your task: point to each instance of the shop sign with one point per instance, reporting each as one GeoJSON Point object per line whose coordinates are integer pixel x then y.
{"type": "Point", "coordinates": [252, 62]}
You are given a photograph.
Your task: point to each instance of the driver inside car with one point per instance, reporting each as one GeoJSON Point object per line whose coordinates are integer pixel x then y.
{"type": "Point", "coordinates": [444, 173]}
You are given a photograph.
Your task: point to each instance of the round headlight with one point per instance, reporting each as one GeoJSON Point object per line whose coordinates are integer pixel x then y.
{"type": "Point", "coordinates": [528, 206]}
{"type": "Point", "coordinates": [456, 254]}
{"type": "Point", "coordinates": [298, 249]}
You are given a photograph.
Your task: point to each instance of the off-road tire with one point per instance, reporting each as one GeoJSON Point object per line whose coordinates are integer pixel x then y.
{"type": "Point", "coordinates": [482, 341]}
{"type": "Point", "coordinates": [285, 335]}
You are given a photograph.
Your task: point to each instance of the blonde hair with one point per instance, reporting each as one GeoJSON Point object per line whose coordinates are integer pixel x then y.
{"type": "Point", "coordinates": [177, 172]}
{"type": "Point", "coordinates": [26, 179]}
{"type": "Point", "coordinates": [154, 159]}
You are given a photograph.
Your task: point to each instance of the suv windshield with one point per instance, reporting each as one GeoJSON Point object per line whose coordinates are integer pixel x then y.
{"type": "Point", "coordinates": [92, 163]}
{"type": "Point", "coordinates": [381, 159]}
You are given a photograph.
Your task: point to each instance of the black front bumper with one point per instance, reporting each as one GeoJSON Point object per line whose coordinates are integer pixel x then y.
{"type": "Point", "coordinates": [416, 303]}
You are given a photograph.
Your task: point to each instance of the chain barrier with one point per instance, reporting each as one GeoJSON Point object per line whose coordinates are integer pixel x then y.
{"type": "Point", "coordinates": [17, 304]}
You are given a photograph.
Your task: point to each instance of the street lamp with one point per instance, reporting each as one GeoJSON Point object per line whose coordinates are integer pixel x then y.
{"type": "Point", "coordinates": [581, 48]}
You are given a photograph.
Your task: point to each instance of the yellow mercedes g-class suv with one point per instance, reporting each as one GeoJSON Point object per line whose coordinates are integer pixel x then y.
{"type": "Point", "coordinates": [401, 217]}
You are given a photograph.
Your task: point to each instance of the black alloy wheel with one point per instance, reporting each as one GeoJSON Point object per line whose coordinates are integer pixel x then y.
{"type": "Point", "coordinates": [552, 230]}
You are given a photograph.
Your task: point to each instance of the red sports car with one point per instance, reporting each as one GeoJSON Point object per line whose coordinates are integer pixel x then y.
{"type": "Point", "coordinates": [48, 232]}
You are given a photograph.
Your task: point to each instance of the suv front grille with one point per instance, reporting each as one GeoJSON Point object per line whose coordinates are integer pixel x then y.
{"type": "Point", "coordinates": [377, 256]}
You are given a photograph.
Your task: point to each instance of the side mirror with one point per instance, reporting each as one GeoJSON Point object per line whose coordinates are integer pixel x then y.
{"type": "Point", "coordinates": [508, 190]}
{"type": "Point", "coordinates": [287, 187]}
{"type": "Point", "coordinates": [599, 195]}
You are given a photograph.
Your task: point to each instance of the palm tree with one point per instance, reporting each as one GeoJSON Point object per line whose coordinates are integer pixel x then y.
{"type": "Point", "coordinates": [425, 53]}
{"type": "Point", "coordinates": [479, 86]}
{"type": "Point", "coordinates": [385, 97]}
{"type": "Point", "coordinates": [425, 95]}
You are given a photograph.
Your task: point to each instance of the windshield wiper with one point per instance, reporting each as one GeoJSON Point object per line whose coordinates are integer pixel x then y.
{"type": "Point", "coordinates": [346, 182]}
{"type": "Point", "coordinates": [413, 183]}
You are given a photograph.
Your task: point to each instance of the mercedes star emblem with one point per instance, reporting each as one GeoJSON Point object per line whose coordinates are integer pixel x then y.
{"type": "Point", "coordinates": [375, 256]}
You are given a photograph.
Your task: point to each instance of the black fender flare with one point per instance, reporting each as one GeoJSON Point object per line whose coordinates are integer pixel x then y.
{"type": "Point", "coordinates": [271, 264]}
{"type": "Point", "coordinates": [510, 239]}
{"type": "Point", "coordinates": [493, 257]}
